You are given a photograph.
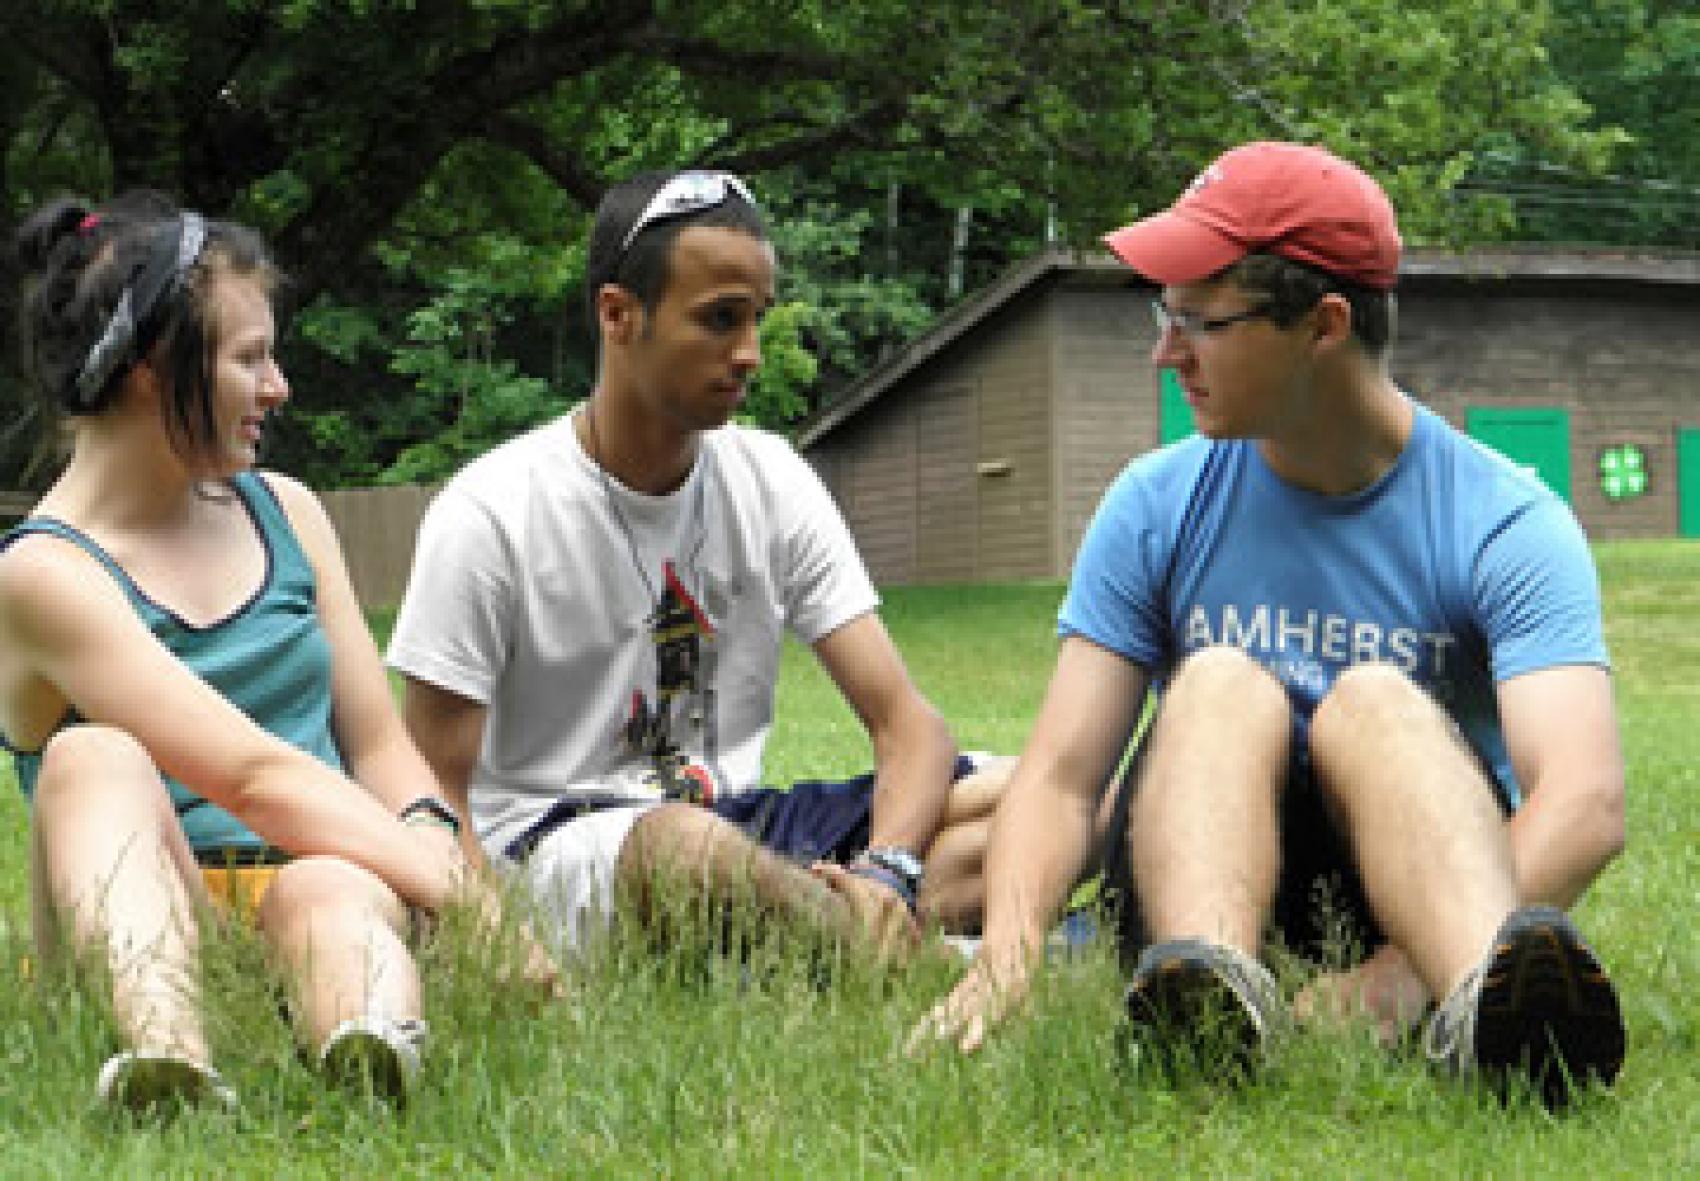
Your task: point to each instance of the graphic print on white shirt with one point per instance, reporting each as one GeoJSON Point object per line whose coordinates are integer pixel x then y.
{"type": "Point", "coordinates": [682, 699]}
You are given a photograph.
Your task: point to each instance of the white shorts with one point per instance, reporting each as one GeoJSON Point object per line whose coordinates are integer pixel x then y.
{"type": "Point", "coordinates": [569, 876]}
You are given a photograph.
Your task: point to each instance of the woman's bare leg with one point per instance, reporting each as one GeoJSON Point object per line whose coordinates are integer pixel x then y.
{"type": "Point", "coordinates": [113, 876]}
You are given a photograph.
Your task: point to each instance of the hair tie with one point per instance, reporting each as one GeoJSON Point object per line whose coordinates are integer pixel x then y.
{"type": "Point", "coordinates": [88, 223]}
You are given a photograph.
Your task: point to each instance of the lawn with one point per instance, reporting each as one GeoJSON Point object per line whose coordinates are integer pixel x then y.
{"type": "Point", "coordinates": [687, 1065]}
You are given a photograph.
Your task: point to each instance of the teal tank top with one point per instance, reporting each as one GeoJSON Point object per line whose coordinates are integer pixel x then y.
{"type": "Point", "coordinates": [269, 658]}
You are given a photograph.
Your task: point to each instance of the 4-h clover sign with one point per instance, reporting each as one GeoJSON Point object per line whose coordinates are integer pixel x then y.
{"type": "Point", "coordinates": [1623, 472]}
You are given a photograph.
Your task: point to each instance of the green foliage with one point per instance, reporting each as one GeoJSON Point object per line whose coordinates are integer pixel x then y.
{"type": "Point", "coordinates": [450, 355]}
{"type": "Point", "coordinates": [1488, 80]}
{"type": "Point", "coordinates": [449, 384]}
{"type": "Point", "coordinates": [776, 394]}
{"type": "Point", "coordinates": [425, 171]}
{"type": "Point", "coordinates": [1635, 64]}
{"type": "Point", "coordinates": [829, 266]}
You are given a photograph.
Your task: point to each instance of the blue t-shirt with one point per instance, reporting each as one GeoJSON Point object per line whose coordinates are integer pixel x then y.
{"type": "Point", "coordinates": [1457, 567]}
{"type": "Point", "coordinates": [269, 658]}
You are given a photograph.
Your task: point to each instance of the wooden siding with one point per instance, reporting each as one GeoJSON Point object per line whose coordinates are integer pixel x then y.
{"type": "Point", "coordinates": [1107, 403]}
{"type": "Point", "coordinates": [1015, 398]}
{"type": "Point", "coordinates": [907, 471]}
{"type": "Point", "coordinates": [1625, 364]}
{"type": "Point", "coordinates": [377, 527]}
{"type": "Point", "coordinates": [946, 486]}
{"type": "Point", "coordinates": [878, 495]}
{"type": "Point", "coordinates": [1051, 382]}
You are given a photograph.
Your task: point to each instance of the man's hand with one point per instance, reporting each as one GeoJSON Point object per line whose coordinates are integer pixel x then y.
{"type": "Point", "coordinates": [993, 988]}
{"type": "Point", "coordinates": [878, 912]}
{"type": "Point", "coordinates": [1383, 988]}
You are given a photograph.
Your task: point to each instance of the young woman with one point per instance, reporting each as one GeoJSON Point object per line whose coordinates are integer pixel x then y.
{"type": "Point", "coordinates": [186, 680]}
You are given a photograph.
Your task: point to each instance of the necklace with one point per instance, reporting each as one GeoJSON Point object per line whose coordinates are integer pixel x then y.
{"type": "Point", "coordinates": [620, 516]}
{"type": "Point", "coordinates": [689, 670]}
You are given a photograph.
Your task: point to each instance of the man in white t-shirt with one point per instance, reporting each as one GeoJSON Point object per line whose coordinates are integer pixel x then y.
{"type": "Point", "coordinates": [591, 635]}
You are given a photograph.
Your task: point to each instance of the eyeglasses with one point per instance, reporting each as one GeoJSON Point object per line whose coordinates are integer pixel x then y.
{"type": "Point", "coordinates": [1191, 324]}
{"type": "Point", "coordinates": [688, 192]}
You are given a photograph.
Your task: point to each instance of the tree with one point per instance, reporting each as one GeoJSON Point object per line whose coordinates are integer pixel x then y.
{"type": "Point", "coordinates": [1636, 63]}
{"type": "Point", "coordinates": [424, 167]}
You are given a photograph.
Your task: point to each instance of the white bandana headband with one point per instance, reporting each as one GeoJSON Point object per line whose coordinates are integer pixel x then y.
{"type": "Point", "coordinates": [135, 320]}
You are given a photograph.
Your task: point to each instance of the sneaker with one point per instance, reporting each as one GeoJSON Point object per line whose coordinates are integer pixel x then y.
{"type": "Point", "coordinates": [150, 1080]}
{"type": "Point", "coordinates": [1203, 1001]}
{"type": "Point", "coordinates": [1539, 1003]}
{"type": "Point", "coordinates": [376, 1053]}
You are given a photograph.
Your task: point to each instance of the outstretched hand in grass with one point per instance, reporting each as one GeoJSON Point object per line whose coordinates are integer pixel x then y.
{"type": "Point", "coordinates": [993, 988]}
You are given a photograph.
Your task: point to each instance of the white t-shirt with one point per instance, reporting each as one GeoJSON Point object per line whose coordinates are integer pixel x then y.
{"type": "Point", "coordinates": [526, 595]}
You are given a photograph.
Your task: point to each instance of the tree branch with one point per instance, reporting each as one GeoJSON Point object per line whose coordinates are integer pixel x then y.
{"type": "Point", "coordinates": [534, 143]}
{"type": "Point", "coordinates": [70, 58]}
{"type": "Point", "coordinates": [813, 138]}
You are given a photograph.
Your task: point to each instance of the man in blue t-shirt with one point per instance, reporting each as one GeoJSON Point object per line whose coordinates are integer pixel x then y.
{"type": "Point", "coordinates": [1385, 726]}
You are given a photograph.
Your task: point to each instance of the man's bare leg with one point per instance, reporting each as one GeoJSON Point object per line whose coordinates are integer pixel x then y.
{"type": "Point", "coordinates": [1422, 819]}
{"type": "Point", "coordinates": [1204, 825]}
{"type": "Point", "coordinates": [1519, 989]}
{"type": "Point", "coordinates": [714, 859]}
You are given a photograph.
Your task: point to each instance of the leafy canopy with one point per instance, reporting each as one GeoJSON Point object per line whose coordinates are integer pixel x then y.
{"type": "Point", "coordinates": [424, 168]}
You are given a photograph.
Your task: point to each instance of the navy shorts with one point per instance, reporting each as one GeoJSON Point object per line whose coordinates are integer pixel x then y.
{"type": "Point", "coordinates": [1320, 911]}
{"type": "Point", "coordinates": [812, 820]}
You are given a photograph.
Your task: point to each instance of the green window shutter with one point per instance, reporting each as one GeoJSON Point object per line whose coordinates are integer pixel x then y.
{"type": "Point", "coordinates": [1688, 481]}
{"type": "Point", "coordinates": [1534, 437]}
{"type": "Point", "coordinates": [1175, 416]}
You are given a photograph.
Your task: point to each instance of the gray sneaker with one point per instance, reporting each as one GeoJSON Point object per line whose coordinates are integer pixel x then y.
{"type": "Point", "coordinates": [377, 1053]}
{"type": "Point", "coordinates": [1539, 1003]}
{"type": "Point", "coordinates": [1203, 1002]}
{"type": "Point", "coordinates": [156, 1080]}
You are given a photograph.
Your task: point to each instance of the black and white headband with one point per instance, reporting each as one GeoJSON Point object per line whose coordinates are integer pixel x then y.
{"type": "Point", "coordinates": [138, 317]}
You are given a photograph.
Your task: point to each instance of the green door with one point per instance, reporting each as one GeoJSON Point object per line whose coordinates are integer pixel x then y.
{"type": "Point", "coordinates": [1688, 481]}
{"type": "Point", "coordinates": [1534, 437]}
{"type": "Point", "coordinates": [1175, 416]}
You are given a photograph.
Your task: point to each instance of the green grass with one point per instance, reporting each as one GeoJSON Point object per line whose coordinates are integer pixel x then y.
{"type": "Point", "coordinates": [681, 1065]}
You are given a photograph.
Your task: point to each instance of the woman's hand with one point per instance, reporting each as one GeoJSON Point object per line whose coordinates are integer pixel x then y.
{"type": "Point", "coordinates": [520, 957]}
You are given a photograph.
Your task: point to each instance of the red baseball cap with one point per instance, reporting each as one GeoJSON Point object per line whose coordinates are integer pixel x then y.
{"type": "Point", "coordinates": [1296, 201]}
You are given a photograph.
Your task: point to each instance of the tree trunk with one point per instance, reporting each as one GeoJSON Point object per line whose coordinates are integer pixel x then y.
{"type": "Point", "coordinates": [959, 251]}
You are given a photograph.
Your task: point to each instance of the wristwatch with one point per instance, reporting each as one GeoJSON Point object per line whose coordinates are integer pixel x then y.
{"type": "Point", "coordinates": [433, 810]}
{"type": "Point", "coordinates": [897, 860]}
